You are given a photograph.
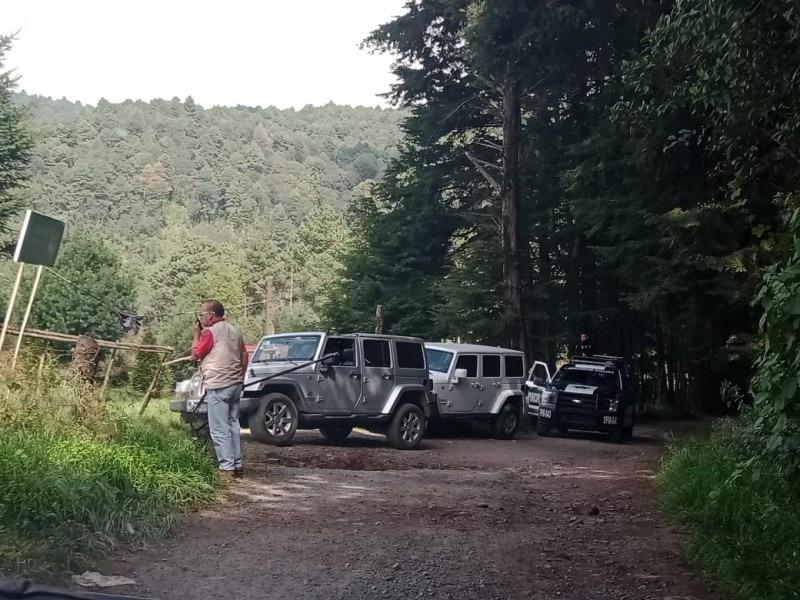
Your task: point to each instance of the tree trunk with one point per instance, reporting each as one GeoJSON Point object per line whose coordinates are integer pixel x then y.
{"type": "Point", "coordinates": [509, 193]}
{"type": "Point", "coordinates": [661, 370]}
{"type": "Point", "coordinates": [642, 363]}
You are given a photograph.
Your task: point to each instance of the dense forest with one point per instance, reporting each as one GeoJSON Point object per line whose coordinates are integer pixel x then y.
{"type": "Point", "coordinates": [623, 169]}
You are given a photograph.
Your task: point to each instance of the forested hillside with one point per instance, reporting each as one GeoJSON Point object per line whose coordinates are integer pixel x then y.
{"type": "Point", "coordinates": [196, 202]}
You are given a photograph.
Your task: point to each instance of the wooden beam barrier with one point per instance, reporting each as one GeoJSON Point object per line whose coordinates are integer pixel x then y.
{"type": "Point", "coordinates": [72, 339]}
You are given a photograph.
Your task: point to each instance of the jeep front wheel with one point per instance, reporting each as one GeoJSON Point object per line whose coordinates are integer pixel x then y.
{"type": "Point", "coordinates": [335, 434]}
{"type": "Point", "coordinates": [407, 426]}
{"type": "Point", "coordinates": [275, 421]}
{"type": "Point", "coordinates": [507, 422]}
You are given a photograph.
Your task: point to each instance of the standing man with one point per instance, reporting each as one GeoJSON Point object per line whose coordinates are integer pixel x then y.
{"type": "Point", "coordinates": [585, 347]}
{"type": "Point", "coordinates": [219, 347]}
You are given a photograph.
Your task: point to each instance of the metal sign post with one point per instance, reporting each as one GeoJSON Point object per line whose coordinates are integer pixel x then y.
{"type": "Point", "coordinates": [27, 314]}
{"type": "Point", "coordinates": [11, 302]}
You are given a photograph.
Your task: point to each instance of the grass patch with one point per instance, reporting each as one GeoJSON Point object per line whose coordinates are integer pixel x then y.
{"type": "Point", "coordinates": [80, 480]}
{"type": "Point", "coordinates": [744, 528]}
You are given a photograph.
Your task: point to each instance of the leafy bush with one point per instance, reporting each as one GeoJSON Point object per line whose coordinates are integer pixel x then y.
{"type": "Point", "coordinates": [776, 432]}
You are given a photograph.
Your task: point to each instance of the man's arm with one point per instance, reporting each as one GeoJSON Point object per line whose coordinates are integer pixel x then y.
{"type": "Point", "coordinates": [203, 343]}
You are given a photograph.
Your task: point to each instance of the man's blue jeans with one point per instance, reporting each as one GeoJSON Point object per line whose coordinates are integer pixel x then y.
{"type": "Point", "coordinates": [223, 424]}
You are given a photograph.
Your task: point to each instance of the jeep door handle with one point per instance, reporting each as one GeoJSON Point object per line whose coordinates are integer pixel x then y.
{"type": "Point", "coordinates": [497, 384]}
{"type": "Point", "coordinates": [355, 375]}
{"type": "Point", "coordinates": [387, 376]}
{"type": "Point", "coordinates": [477, 386]}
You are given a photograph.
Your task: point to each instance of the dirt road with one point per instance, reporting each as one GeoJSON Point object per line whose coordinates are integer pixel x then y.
{"type": "Point", "coordinates": [464, 518]}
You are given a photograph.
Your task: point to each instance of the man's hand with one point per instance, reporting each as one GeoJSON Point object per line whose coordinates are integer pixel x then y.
{"type": "Point", "coordinates": [198, 329]}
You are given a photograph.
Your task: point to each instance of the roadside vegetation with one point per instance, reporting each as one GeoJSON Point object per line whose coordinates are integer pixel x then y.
{"type": "Point", "coordinates": [742, 519]}
{"type": "Point", "coordinates": [80, 477]}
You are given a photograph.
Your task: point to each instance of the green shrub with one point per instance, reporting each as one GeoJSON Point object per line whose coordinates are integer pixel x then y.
{"type": "Point", "coordinates": [744, 523]}
{"type": "Point", "coordinates": [79, 478]}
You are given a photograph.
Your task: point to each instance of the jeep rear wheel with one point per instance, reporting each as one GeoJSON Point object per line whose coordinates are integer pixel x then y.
{"type": "Point", "coordinates": [407, 427]}
{"type": "Point", "coordinates": [335, 434]}
{"type": "Point", "coordinates": [615, 437]}
{"type": "Point", "coordinates": [275, 421]}
{"type": "Point", "coordinates": [507, 422]}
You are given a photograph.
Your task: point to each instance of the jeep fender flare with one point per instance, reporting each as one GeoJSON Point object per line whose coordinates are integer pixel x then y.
{"type": "Point", "coordinates": [397, 392]}
{"type": "Point", "coordinates": [289, 387]}
{"type": "Point", "coordinates": [503, 398]}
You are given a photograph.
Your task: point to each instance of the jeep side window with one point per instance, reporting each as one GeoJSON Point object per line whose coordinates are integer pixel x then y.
{"type": "Point", "coordinates": [376, 353]}
{"type": "Point", "coordinates": [468, 362]}
{"type": "Point", "coordinates": [346, 348]}
{"type": "Point", "coordinates": [515, 367]}
{"type": "Point", "coordinates": [410, 355]}
{"type": "Point", "coordinates": [491, 365]}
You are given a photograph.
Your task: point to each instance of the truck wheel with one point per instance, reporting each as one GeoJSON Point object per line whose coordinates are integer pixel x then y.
{"type": "Point", "coordinates": [615, 437]}
{"type": "Point", "coordinates": [563, 429]}
{"type": "Point", "coordinates": [543, 427]}
{"type": "Point", "coordinates": [507, 422]}
{"type": "Point", "coordinates": [335, 434]}
{"type": "Point", "coordinates": [407, 427]}
{"type": "Point", "coordinates": [627, 432]}
{"type": "Point", "coordinates": [275, 421]}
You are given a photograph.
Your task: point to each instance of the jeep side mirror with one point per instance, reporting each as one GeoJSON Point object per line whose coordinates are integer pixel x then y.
{"type": "Point", "coordinates": [459, 374]}
{"type": "Point", "coordinates": [538, 381]}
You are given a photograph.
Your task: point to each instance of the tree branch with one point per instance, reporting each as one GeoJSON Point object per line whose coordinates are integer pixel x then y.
{"type": "Point", "coordinates": [492, 181]}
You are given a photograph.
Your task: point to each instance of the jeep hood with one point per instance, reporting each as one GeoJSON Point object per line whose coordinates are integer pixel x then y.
{"type": "Point", "coordinates": [261, 370]}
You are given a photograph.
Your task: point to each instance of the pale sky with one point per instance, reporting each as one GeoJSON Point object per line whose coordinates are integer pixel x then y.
{"type": "Point", "coordinates": [285, 53]}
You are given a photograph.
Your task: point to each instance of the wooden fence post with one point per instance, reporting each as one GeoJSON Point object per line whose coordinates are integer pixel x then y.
{"type": "Point", "coordinates": [108, 372]}
{"type": "Point", "coordinates": [151, 390]}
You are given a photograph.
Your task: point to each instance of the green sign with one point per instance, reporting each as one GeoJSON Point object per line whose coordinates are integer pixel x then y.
{"type": "Point", "coordinates": [39, 240]}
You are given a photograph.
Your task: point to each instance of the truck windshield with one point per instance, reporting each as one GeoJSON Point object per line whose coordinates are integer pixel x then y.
{"type": "Point", "coordinates": [438, 360]}
{"type": "Point", "coordinates": [587, 377]}
{"type": "Point", "coordinates": [286, 348]}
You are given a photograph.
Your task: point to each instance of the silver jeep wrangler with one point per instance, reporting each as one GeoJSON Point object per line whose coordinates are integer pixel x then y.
{"type": "Point", "coordinates": [478, 382]}
{"type": "Point", "coordinates": [333, 383]}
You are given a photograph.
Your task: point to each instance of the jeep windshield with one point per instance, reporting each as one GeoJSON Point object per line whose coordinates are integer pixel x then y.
{"type": "Point", "coordinates": [587, 377]}
{"type": "Point", "coordinates": [438, 360]}
{"type": "Point", "coordinates": [289, 348]}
